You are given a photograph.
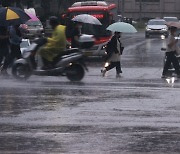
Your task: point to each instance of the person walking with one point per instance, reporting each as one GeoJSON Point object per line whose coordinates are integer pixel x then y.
{"type": "Point", "coordinates": [15, 39]}
{"type": "Point", "coordinates": [114, 49]}
{"type": "Point", "coordinates": [171, 53]}
{"type": "Point", "coordinates": [4, 43]}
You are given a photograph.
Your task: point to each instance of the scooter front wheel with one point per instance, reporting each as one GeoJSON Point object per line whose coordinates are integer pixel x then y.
{"type": "Point", "coordinates": [21, 71]}
{"type": "Point", "coordinates": [75, 72]}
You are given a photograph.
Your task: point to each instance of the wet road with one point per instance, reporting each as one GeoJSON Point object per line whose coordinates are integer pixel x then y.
{"type": "Point", "coordinates": [138, 113]}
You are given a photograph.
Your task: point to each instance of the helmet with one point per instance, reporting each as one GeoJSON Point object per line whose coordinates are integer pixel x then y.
{"type": "Point", "coordinates": [53, 20]}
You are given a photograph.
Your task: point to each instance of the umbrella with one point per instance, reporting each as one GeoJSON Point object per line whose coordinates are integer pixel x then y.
{"type": "Point", "coordinates": [173, 24]}
{"type": "Point", "coordinates": [12, 16]}
{"type": "Point", "coordinates": [86, 18]}
{"type": "Point", "coordinates": [121, 27]}
{"type": "Point", "coordinates": [33, 17]}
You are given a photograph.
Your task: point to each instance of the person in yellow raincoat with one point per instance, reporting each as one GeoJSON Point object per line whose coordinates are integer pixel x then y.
{"type": "Point", "coordinates": [55, 45]}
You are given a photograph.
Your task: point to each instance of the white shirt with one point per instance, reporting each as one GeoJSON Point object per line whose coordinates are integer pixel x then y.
{"type": "Point", "coordinates": [169, 40]}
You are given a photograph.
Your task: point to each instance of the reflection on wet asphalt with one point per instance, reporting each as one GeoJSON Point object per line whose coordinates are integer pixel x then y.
{"type": "Point", "coordinates": [138, 113]}
{"type": "Point", "coordinates": [65, 119]}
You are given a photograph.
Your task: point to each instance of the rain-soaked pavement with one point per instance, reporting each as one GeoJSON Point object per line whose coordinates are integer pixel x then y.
{"type": "Point", "coordinates": [137, 113]}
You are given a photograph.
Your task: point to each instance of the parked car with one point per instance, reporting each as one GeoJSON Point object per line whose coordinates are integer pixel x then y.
{"type": "Point", "coordinates": [156, 27]}
{"type": "Point", "coordinates": [35, 29]}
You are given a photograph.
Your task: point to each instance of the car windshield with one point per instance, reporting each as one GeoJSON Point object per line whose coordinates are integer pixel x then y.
{"type": "Point", "coordinates": [24, 44]}
{"type": "Point", "coordinates": [156, 22]}
{"type": "Point", "coordinates": [34, 23]}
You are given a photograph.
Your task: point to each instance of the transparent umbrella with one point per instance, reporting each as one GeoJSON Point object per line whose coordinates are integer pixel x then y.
{"type": "Point", "coordinates": [86, 18]}
{"type": "Point", "coordinates": [122, 27]}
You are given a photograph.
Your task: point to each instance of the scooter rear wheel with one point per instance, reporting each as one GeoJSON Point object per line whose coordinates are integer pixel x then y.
{"type": "Point", "coordinates": [75, 72]}
{"type": "Point", "coordinates": [21, 71]}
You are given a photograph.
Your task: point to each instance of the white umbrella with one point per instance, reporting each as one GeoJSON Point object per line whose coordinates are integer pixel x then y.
{"type": "Point", "coordinates": [86, 18]}
{"type": "Point", "coordinates": [122, 27]}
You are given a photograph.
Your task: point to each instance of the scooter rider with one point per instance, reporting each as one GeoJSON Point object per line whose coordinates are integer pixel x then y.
{"type": "Point", "coordinates": [55, 44]}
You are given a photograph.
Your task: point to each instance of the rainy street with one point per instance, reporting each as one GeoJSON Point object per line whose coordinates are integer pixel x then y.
{"type": "Point", "coordinates": [137, 113]}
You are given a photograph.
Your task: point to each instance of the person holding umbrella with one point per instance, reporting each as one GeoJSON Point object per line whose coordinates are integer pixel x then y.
{"type": "Point", "coordinates": [4, 43]}
{"type": "Point", "coordinates": [13, 17]}
{"type": "Point", "coordinates": [114, 49]}
{"type": "Point", "coordinates": [15, 38]}
{"type": "Point", "coordinates": [79, 20]}
{"type": "Point", "coordinates": [170, 53]}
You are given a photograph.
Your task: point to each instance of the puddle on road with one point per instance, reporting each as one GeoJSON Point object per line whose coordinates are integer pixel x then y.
{"type": "Point", "coordinates": [26, 144]}
{"type": "Point", "coordinates": [52, 139]}
{"type": "Point", "coordinates": [14, 102]}
{"type": "Point", "coordinates": [158, 142]}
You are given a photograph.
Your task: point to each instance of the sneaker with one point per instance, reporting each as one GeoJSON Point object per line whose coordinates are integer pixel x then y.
{"type": "Point", "coordinates": [103, 71]}
{"type": "Point", "coordinates": [118, 75]}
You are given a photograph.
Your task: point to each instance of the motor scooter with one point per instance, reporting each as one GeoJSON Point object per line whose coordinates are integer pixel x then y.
{"type": "Point", "coordinates": [70, 63]}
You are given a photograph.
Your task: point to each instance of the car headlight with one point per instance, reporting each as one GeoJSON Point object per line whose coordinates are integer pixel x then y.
{"type": "Point", "coordinates": [164, 29]}
{"type": "Point", "coordinates": [148, 29]}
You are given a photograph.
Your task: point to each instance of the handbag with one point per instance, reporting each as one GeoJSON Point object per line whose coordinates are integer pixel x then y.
{"type": "Point", "coordinates": [121, 47]}
{"type": "Point", "coordinates": [121, 50]}
{"type": "Point", "coordinates": [108, 51]}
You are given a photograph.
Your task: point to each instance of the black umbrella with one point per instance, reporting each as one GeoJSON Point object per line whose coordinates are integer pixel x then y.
{"type": "Point", "coordinates": [12, 16]}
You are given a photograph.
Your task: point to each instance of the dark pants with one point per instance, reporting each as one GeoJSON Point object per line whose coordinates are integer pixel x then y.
{"type": "Point", "coordinates": [171, 58]}
{"type": "Point", "coordinates": [15, 53]}
{"type": "Point", "coordinates": [114, 64]}
{"type": "Point", "coordinates": [4, 51]}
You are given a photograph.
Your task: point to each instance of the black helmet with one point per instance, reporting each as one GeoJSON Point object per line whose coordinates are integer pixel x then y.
{"type": "Point", "coordinates": [53, 20]}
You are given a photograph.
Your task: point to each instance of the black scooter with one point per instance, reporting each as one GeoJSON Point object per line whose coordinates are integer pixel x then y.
{"type": "Point", "coordinates": [70, 63]}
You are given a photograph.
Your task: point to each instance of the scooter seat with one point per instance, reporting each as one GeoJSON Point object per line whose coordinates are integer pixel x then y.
{"type": "Point", "coordinates": [65, 53]}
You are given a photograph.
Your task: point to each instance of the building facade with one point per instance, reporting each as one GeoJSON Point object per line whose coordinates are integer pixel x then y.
{"type": "Point", "coordinates": [136, 9]}
{"type": "Point", "coordinates": [146, 9]}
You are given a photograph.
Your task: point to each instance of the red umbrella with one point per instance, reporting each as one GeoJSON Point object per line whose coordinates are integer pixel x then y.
{"type": "Point", "coordinates": [173, 24]}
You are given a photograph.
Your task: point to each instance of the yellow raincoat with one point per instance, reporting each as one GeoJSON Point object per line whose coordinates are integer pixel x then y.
{"type": "Point", "coordinates": [55, 45]}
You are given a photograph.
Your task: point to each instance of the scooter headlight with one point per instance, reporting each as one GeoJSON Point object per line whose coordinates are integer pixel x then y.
{"type": "Point", "coordinates": [106, 64]}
